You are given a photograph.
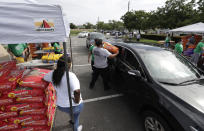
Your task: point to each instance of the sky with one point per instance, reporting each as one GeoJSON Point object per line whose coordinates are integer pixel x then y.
{"type": "Point", "coordinates": [81, 11]}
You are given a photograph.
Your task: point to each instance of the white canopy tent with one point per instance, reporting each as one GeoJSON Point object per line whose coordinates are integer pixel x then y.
{"type": "Point", "coordinates": [194, 28]}
{"type": "Point", "coordinates": [34, 21]}
{"type": "Point", "coordinates": [27, 21]}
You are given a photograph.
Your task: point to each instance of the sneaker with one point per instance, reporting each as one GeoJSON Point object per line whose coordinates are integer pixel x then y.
{"type": "Point", "coordinates": [79, 128]}
{"type": "Point", "coordinates": [70, 122]}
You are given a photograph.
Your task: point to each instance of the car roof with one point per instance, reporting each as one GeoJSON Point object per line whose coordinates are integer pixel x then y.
{"type": "Point", "coordinates": [91, 33]}
{"type": "Point", "coordinates": [140, 47]}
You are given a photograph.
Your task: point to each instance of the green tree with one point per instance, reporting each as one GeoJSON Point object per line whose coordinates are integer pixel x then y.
{"type": "Point", "coordinates": [136, 20]}
{"type": "Point", "coordinates": [115, 25]}
{"type": "Point", "coordinates": [73, 26]}
{"type": "Point", "coordinates": [88, 25]}
{"type": "Point", "coordinates": [152, 20]}
{"type": "Point", "coordinates": [100, 25]}
{"type": "Point", "coordinates": [176, 13]}
{"type": "Point", "coordinates": [141, 20]}
{"type": "Point", "coordinates": [129, 20]}
{"type": "Point", "coordinates": [201, 10]}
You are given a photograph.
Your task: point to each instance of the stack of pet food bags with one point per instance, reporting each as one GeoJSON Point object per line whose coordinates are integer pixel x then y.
{"type": "Point", "coordinates": [27, 102]}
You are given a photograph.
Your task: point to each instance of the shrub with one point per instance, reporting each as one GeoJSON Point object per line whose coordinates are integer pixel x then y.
{"type": "Point", "coordinates": [159, 37]}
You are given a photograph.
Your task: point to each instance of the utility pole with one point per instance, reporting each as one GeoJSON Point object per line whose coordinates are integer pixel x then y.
{"type": "Point", "coordinates": [97, 23]}
{"type": "Point", "coordinates": [128, 6]}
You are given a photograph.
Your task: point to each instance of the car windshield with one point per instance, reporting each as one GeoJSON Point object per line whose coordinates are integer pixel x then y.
{"type": "Point", "coordinates": [97, 36]}
{"type": "Point", "coordinates": [165, 66]}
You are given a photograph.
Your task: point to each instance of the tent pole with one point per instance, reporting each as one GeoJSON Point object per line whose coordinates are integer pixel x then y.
{"type": "Point", "coordinates": [68, 84]}
{"type": "Point", "coordinates": [71, 52]}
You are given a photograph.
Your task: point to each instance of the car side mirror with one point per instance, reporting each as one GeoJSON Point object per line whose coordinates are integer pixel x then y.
{"type": "Point", "coordinates": [135, 73]}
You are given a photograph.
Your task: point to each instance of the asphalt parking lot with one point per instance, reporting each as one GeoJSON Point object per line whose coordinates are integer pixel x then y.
{"type": "Point", "coordinates": [103, 110]}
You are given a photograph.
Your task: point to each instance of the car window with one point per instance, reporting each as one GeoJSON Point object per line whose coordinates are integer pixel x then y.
{"type": "Point", "coordinates": [128, 57]}
{"type": "Point", "coordinates": [165, 66]}
{"type": "Point", "coordinates": [131, 60]}
{"type": "Point", "coordinates": [97, 36]}
{"type": "Point", "coordinates": [121, 53]}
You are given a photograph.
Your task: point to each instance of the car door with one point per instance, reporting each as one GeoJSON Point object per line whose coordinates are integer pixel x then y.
{"type": "Point", "coordinates": [127, 61]}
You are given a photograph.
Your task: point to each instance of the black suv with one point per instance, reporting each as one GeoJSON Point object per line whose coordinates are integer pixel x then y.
{"type": "Point", "coordinates": [167, 87]}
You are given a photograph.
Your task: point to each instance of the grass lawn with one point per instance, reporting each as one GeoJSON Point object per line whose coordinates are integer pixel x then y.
{"type": "Point", "coordinates": [149, 41]}
{"type": "Point", "coordinates": [133, 40]}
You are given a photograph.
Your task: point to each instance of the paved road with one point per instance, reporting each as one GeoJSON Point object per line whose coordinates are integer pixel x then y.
{"type": "Point", "coordinates": [103, 110]}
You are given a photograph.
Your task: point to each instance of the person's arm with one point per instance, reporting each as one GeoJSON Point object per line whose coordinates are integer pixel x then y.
{"type": "Point", "coordinates": [12, 55]}
{"type": "Point", "coordinates": [25, 50]}
{"type": "Point", "coordinates": [113, 55]}
{"type": "Point", "coordinates": [75, 88]}
{"type": "Point", "coordinates": [89, 55]}
{"type": "Point", "coordinates": [77, 96]}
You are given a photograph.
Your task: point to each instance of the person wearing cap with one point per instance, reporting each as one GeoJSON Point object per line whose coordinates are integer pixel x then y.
{"type": "Point", "coordinates": [57, 48]}
{"type": "Point", "coordinates": [138, 37]}
{"type": "Point", "coordinates": [167, 41]}
{"type": "Point", "coordinates": [191, 41]}
{"type": "Point", "coordinates": [100, 66]}
{"type": "Point", "coordinates": [18, 50]}
{"type": "Point", "coordinates": [179, 47]}
{"type": "Point", "coordinates": [91, 55]}
{"type": "Point", "coordinates": [197, 52]}
{"type": "Point", "coordinates": [58, 78]}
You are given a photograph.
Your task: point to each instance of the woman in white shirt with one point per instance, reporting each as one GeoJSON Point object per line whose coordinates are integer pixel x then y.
{"type": "Point", "coordinates": [58, 78]}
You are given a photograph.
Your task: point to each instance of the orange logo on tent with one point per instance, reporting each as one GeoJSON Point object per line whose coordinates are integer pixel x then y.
{"type": "Point", "coordinates": [44, 25]}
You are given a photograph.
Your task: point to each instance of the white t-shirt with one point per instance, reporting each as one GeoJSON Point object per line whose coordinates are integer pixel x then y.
{"type": "Point", "coordinates": [100, 57]}
{"type": "Point", "coordinates": [62, 89]}
{"type": "Point", "coordinates": [138, 36]}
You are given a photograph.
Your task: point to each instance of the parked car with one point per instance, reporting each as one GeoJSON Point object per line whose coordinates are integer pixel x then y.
{"type": "Point", "coordinates": [113, 33]}
{"type": "Point", "coordinates": [83, 34]}
{"type": "Point", "coordinates": [167, 89]}
{"type": "Point", "coordinates": [92, 36]}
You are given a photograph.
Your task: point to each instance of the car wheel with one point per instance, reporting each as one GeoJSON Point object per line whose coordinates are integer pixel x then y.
{"type": "Point", "coordinates": [154, 122]}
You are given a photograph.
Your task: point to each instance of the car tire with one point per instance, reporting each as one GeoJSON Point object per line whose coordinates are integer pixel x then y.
{"type": "Point", "coordinates": [154, 122]}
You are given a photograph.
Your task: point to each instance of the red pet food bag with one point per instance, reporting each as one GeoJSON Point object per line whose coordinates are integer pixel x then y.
{"type": "Point", "coordinates": [19, 107]}
{"type": "Point", "coordinates": [5, 68]}
{"type": "Point", "coordinates": [35, 123]}
{"type": "Point", "coordinates": [6, 101]}
{"type": "Point", "coordinates": [9, 127]}
{"type": "Point", "coordinates": [35, 79]}
{"type": "Point", "coordinates": [25, 93]}
{"type": "Point", "coordinates": [34, 128]}
{"type": "Point", "coordinates": [36, 99]}
{"type": "Point", "coordinates": [7, 115]}
{"type": "Point", "coordinates": [20, 119]}
{"type": "Point", "coordinates": [41, 111]}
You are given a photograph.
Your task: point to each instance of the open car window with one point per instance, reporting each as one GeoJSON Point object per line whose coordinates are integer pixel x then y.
{"type": "Point", "coordinates": [129, 58]}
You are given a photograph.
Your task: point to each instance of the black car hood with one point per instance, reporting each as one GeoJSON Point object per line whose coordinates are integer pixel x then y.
{"type": "Point", "coordinates": [193, 94]}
